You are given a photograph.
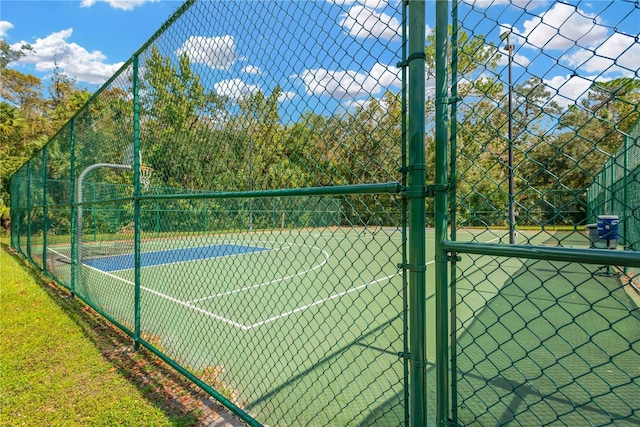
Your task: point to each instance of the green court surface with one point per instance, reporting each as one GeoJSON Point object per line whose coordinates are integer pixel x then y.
{"type": "Point", "coordinates": [542, 342]}
{"type": "Point", "coordinates": [309, 327]}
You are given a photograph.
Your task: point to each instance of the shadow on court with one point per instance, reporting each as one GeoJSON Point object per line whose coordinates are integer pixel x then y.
{"type": "Point", "coordinates": [546, 342]}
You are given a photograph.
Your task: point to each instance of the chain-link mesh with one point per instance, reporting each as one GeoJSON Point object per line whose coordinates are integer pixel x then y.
{"type": "Point", "coordinates": [264, 257]}
{"type": "Point", "coordinates": [268, 258]}
{"type": "Point", "coordinates": [616, 190]}
{"type": "Point", "coordinates": [545, 330]}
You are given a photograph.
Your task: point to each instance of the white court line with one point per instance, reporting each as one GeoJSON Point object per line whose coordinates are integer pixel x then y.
{"type": "Point", "coordinates": [255, 325]}
{"type": "Point", "coordinates": [229, 321]}
{"type": "Point", "coordinates": [322, 301]}
{"type": "Point", "coordinates": [167, 297]}
{"type": "Point", "coordinates": [246, 288]}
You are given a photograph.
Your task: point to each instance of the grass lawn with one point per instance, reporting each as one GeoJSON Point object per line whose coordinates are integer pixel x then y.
{"type": "Point", "coordinates": [62, 364]}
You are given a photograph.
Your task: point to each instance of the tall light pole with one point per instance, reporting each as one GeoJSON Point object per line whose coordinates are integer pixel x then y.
{"type": "Point", "coordinates": [512, 214]}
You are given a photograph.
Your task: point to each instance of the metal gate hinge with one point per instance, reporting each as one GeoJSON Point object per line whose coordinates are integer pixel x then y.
{"type": "Point", "coordinates": [417, 363]}
{"type": "Point", "coordinates": [419, 268]}
{"type": "Point", "coordinates": [448, 100]}
{"type": "Point", "coordinates": [432, 189]}
{"type": "Point", "coordinates": [417, 55]}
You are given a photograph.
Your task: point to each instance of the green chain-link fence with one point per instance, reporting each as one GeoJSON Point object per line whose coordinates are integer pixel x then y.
{"type": "Point", "coordinates": [616, 190]}
{"type": "Point", "coordinates": [249, 197]}
{"type": "Point", "coordinates": [545, 330]}
{"type": "Point", "coordinates": [232, 199]}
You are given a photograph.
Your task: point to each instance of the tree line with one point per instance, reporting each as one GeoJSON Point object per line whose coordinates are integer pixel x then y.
{"type": "Point", "coordinates": [30, 114]}
{"type": "Point", "coordinates": [199, 140]}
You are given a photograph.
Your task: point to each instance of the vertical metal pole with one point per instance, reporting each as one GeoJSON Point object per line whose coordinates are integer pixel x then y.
{"type": "Point", "coordinates": [13, 208]}
{"type": "Point", "coordinates": [74, 223]}
{"type": "Point", "coordinates": [16, 208]}
{"type": "Point", "coordinates": [206, 228]}
{"type": "Point", "coordinates": [611, 184]}
{"type": "Point", "coordinates": [45, 211]}
{"type": "Point", "coordinates": [251, 182]}
{"type": "Point", "coordinates": [512, 215]}
{"type": "Point", "coordinates": [453, 209]}
{"type": "Point", "coordinates": [29, 211]}
{"type": "Point", "coordinates": [416, 200]}
{"type": "Point", "coordinates": [626, 208]}
{"type": "Point", "coordinates": [405, 209]}
{"type": "Point", "coordinates": [157, 218]}
{"type": "Point", "coordinates": [441, 206]}
{"type": "Point", "coordinates": [93, 212]}
{"type": "Point", "coordinates": [136, 202]}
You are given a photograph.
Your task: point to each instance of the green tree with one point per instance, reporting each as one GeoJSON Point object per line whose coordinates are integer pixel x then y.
{"type": "Point", "coordinates": [588, 133]}
{"type": "Point", "coordinates": [8, 55]}
{"type": "Point", "coordinates": [180, 119]}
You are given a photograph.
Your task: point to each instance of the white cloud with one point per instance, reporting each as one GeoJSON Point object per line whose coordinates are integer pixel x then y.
{"type": "Point", "coordinates": [4, 27]}
{"type": "Point", "coordinates": [340, 84]}
{"type": "Point", "coordinates": [518, 59]}
{"type": "Point", "coordinates": [619, 53]}
{"type": "Point", "coordinates": [286, 96]}
{"type": "Point", "coordinates": [562, 27]}
{"type": "Point", "coordinates": [569, 89]}
{"type": "Point", "coordinates": [118, 4]}
{"type": "Point", "coordinates": [216, 52]}
{"type": "Point", "coordinates": [235, 89]}
{"type": "Point", "coordinates": [73, 60]}
{"type": "Point", "coordinates": [355, 103]}
{"type": "Point", "coordinates": [251, 69]}
{"type": "Point", "coordinates": [363, 22]}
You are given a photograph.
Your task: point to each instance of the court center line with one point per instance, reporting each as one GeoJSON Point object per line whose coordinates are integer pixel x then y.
{"type": "Point", "coordinates": [322, 301]}
{"type": "Point", "coordinates": [246, 288]}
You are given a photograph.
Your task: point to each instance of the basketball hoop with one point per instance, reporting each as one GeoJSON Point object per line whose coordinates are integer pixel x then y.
{"type": "Point", "coordinates": [145, 177]}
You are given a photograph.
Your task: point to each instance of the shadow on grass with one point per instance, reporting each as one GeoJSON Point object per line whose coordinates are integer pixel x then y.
{"type": "Point", "coordinates": [182, 402]}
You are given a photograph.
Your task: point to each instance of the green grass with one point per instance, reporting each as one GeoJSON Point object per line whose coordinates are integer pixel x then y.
{"type": "Point", "coordinates": [61, 364]}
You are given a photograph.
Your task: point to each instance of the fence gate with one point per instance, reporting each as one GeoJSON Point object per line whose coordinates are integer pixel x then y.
{"type": "Point", "coordinates": [543, 301]}
{"type": "Point", "coordinates": [394, 213]}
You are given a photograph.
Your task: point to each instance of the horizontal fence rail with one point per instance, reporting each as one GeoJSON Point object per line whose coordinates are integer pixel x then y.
{"type": "Point", "coordinates": [364, 213]}
{"type": "Point", "coordinates": [544, 326]}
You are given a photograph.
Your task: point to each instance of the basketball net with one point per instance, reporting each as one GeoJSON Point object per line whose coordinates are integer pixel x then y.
{"type": "Point", "coordinates": [145, 177]}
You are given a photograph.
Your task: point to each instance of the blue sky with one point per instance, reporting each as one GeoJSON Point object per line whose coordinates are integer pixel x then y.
{"type": "Point", "coordinates": [568, 44]}
{"type": "Point", "coordinates": [88, 39]}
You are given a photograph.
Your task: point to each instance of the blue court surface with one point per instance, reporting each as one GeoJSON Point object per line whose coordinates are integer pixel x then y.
{"type": "Point", "coordinates": [171, 256]}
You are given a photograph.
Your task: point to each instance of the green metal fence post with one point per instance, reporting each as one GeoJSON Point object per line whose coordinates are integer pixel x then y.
{"type": "Point", "coordinates": [441, 206]}
{"type": "Point", "coordinates": [12, 206]}
{"type": "Point", "coordinates": [405, 209]}
{"type": "Point", "coordinates": [136, 201]}
{"type": "Point", "coordinates": [74, 223]}
{"type": "Point", "coordinates": [93, 212]}
{"type": "Point", "coordinates": [29, 211]}
{"type": "Point", "coordinates": [612, 181]}
{"type": "Point", "coordinates": [157, 224]}
{"type": "Point", "coordinates": [626, 207]}
{"type": "Point", "coordinates": [417, 223]}
{"type": "Point", "coordinates": [45, 211]}
{"type": "Point", "coordinates": [16, 209]}
{"type": "Point", "coordinates": [452, 209]}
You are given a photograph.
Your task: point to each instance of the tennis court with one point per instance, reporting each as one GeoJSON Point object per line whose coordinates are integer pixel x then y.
{"type": "Point", "coordinates": [335, 322]}
{"type": "Point", "coordinates": [540, 341]}
{"type": "Point", "coordinates": [282, 312]}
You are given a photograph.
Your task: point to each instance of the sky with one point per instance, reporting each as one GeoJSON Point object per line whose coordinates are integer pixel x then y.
{"type": "Point", "coordinates": [89, 39]}
{"type": "Point", "coordinates": [568, 44]}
